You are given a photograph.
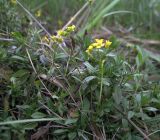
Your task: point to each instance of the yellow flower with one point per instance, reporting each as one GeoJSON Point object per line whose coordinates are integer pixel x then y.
{"type": "Point", "coordinates": [61, 33]}
{"type": "Point", "coordinates": [14, 1]}
{"type": "Point", "coordinates": [107, 44]}
{"type": "Point", "coordinates": [100, 41]}
{"type": "Point", "coordinates": [54, 38]}
{"type": "Point", "coordinates": [98, 45]}
{"type": "Point", "coordinates": [38, 13]}
{"type": "Point", "coordinates": [57, 39]}
{"type": "Point", "coordinates": [90, 47]}
{"type": "Point", "coordinates": [45, 39]}
{"type": "Point", "coordinates": [71, 28]}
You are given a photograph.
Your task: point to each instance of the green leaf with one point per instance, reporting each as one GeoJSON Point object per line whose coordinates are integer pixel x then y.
{"type": "Point", "coordinates": [72, 135]}
{"type": "Point", "coordinates": [118, 12]}
{"type": "Point", "coordinates": [98, 16]}
{"type": "Point", "coordinates": [105, 81]}
{"type": "Point", "coordinates": [90, 68]}
{"type": "Point", "coordinates": [141, 57]}
{"type": "Point", "coordinates": [18, 36]}
{"type": "Point", "coordinates": [152, 55]}
{"type": "Point", "coordinates": [145, 99]}
{"type": "Point", "coordinates": [124, 123]}
{"type": "Point", "coordinates": [88, 79]}
{"type": "Point", "coordinates": [30, 126]}
{"type": "Point", "coordinates": [70, 121]}
{"type": "Point", "coordinates": [117, 96]}
{"type": "Point", "coordinates": [138, 98]}
{"type": "Point", "coordinates": [151, 109]}
{"type": "Point", "coordinates": [18, 58]}
{"type": "Point", "coordinates": [60, 131]}
{"type": "Point", "coordinates": [130, 114]}
{"type": "Point", "coordinates": [38, 115]}
{"type": "Point", "coordinates": [86, 104]}
{"type": "Point", "coordinates": [61, 56]}
{"type": "Point", "coordinates": [21, 73]}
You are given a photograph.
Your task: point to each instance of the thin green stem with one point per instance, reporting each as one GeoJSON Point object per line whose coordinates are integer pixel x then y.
{"type": "Point", "coordinates": [101, 84]}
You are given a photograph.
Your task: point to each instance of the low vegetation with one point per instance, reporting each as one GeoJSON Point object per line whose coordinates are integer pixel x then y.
{"type": "Point", "coordinates": [71, 82]}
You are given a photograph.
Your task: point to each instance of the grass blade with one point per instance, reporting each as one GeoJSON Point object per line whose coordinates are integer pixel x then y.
{"type": "Point", "coordinates": [29, 120]}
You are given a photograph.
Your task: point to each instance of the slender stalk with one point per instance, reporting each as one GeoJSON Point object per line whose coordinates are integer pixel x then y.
{"type": "Point", "coordinates": [101, 85]}
{"type": "Point", "coordinates": [76, 15]}
{"type": "Point", "coordinates": [29, 121]}
{"type": "Point", "coordinates": [6, 39]}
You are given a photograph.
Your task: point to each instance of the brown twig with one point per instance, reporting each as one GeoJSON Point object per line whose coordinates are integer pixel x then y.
{"type": "Point", "coordinates": [75, 16]}
{"type": "Point", "coordinates": [50, 110]}
{"type": "Point", "coordinates": [133, 124]}
{"type": "Point", "coordinates": [36, 72]}
{"type": "Point", "coordinates": [142, 41]}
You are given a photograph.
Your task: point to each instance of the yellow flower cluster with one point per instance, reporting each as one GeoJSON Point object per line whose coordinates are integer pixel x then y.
{"type": "Point", "coordinates": [60, 34]}
{"type": "Point", "coordinates": [54, 38]}
{"type": "Point", "coordinates": [67, 31]}
{"type": "Point", "coordinates": [99, 43]}
{"type": "Point", "coordinates": [71, 28]}
{"type": "Point", "coordinates": [57, 39]}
